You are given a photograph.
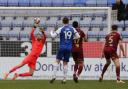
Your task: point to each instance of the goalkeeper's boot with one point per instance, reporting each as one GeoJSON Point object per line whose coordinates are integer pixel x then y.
{"type": "Point", "coordinates": [15, 76]}
{"type": "Point", "coordinates": [6, 75]}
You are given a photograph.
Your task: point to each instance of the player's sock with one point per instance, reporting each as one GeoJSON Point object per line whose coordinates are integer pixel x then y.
{"type": "Point", "coordinates": [104, 69]}
{"type": "Point", "coordinates": [25, 74]}
{"type": "Point", "coordinates": [56, 67]}
{"type": "Point", "coordinates": [65, 70]}
{"type": "Point", "coordinates": [118, 72]}
{"type": "Point", "coordinates": [14, 69]}
{"type": "Point", "coordinates": [80, 69]}
{"type": "Point", "coordinates": [75, 68]}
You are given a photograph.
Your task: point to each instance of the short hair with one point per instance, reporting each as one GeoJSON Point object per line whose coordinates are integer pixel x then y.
{"type": "Point", "coordinates": [75, 24]}
{"type": "Point", "coordinates": [65, 20]}
{"type": "Point", "coordinates": [114, 27]}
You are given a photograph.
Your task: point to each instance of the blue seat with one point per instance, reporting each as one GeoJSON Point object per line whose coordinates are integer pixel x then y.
{"type": "Point", "coordinates": [125, 1]}
{"type": "Point", "coordinates": [124, 34]}
{"type": "Point", "coordinates": [102, 3]}
{"type": "Point", "coordinates": [24, 3]}
{"type": "Point", "coordinates": [3, 2]}
{"type": "Point", "coordinates": [46, 2]}
{"type": "Point", "coordinates": [68, 2]}
{"type": "Point", "coordinates": [13, 2]}
{"type": "Point", "coordinates": [35, 2]}
{"type": "Point", "coordinates": [92, 34]}
{"type": "Point", "coordinates": [58, 2]}
{"type": "Point", "coordinates": [91, 3]}
{"type": "Point", "coordinates": [79, 2]}
{"type": "Point", "coordinates": [110, 2]}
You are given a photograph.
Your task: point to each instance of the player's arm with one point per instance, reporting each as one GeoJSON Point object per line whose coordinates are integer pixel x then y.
{"type": "Point", "coordinates": [55, 33]}
{"type": "Point", "coordinates": [76, 36]}
{"type": "Point", "coordinates": [32, 35]}
{"type": "Point", "coordinates": [121, 47]}
{"type": "Point", "coordinates": [84, 37]}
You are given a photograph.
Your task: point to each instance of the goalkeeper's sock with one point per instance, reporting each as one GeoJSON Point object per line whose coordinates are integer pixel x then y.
{"type": "Point", "coordinates": [25, 74]}
{"type": "Point", "coordinates": [65, 70]}
{"type": "Point", "coordinates": [118, 72]}
{"type": "Point", "coordinates": [104, 69]}
{"type": "Point", "coordinates": [56, 68]}
{"type": "Point", "coordinates": [80, 69]}
{"type": "Point", "coordinates": [75, 68]}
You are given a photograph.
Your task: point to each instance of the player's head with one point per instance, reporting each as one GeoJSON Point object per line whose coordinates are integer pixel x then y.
{"type": "Point", "coordinates": [114, 27]}
{"type": "Point", "coordinates": [75, 24]}
{"type": "Point", "coordinates": [65, 20]}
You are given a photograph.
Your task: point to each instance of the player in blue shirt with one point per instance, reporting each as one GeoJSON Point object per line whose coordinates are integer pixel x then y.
{"type": "Point", "coordinates": [67, 34]}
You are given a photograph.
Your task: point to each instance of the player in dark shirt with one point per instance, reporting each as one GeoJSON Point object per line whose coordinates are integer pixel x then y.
{"type": "Point", "coordinates": [110, 52]}
{"type": "Point", "coordinates": [77, 52]}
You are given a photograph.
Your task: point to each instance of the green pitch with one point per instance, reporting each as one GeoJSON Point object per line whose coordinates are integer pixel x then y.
{"type": "Point", "coordinates": [44, 84]}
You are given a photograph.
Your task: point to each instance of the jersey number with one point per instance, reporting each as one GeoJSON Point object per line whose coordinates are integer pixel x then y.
{"type": "Point", "coordinates": [110, 40]}
{"type": "Point", "coordinates": [68, 34]}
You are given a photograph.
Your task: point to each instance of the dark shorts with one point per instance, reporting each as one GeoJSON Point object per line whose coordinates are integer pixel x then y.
{"type": "Point", "coordinates": [110, 54]}
{"type": "Point", "coordinates": [63, 54]}
{"type": "Point", "coordinates": [78, 56]}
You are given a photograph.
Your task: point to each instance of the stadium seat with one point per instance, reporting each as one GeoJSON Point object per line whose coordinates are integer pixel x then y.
{"type": "Point", "coordinates": [35, 3]}
{"type": "Point", "coordinates": [3, 3]}
{"type": "Point", "coordinates": [13, 2]}
{"type": "Point", "coordinates": [102, 3]}
{"type": "Point", "coordinates": [91, 3]}
{"type": "Point", "coordinates": [124, 34]}
{"type": "Point", "coordinates": [125, 1]}
{"type": "Point", "coordinates": [24, 3]}
{"type": "Point", "coordinates": [111, 2]}
{"type": "Point", "coordinates": [68, 2]}
{"type": "Point", "coordinates": [92, 34]}
{"type": "Point", "coordinates": [102, 34]}
{"type": "Point", "coordinates": [46, 2]}
{"type": "Point", "coordinates": [119, 24]}
{"type": "Point", "coordinates": [79, 2]}
{"type": "Point", "coordinates": [58, 2]}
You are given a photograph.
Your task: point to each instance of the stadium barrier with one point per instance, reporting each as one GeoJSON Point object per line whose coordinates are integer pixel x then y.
{"type": "Point", "coordinates": [44, 68]}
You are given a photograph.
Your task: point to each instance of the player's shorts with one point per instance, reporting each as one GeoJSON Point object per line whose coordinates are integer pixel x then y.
{"type": "Point", "coordinates": [30, 60]}
{"type": "Point", "coordinates": [78, 56]}
{"type": "Point", "coordinates": [110, 54]}
{"type": "Point", "coordinates": [63, 54]}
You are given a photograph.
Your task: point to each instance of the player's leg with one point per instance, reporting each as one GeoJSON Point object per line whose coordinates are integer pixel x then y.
{"type": "Point", "coordinates": [56, 65]}
{"type": "Point", "coordinates": [31, 61]}
{"type": "Point", "coordinates": [65, 65]}
{"type": "Point", "coordinates": [14, 69]}
{"type": "Point", "coordinates": [74, 55]}
{"type": "Point", "coordinates": [108, 62]}
{"type": "Point", "coordinates": [80, 63]}
{"type": "Point", "coordinates": [65, 70]}
{"type": "Point", "coordinates": [30, 73]}
{"type": "Point", "coordinates": [55, 69]}
{"type": "Point", "coordinates": [117, 64]}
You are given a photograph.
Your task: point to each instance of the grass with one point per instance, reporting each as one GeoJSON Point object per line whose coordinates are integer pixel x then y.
{"type": "Point", "coordinates": [44, 84]}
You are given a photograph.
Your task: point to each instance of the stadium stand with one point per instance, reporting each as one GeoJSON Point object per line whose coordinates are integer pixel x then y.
{"type": "Point", "coordinates": [58, 2]}
{"type": "Point", "coordinates": [13, 3]}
